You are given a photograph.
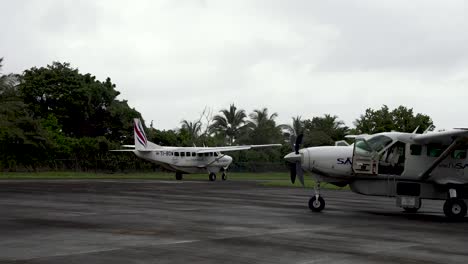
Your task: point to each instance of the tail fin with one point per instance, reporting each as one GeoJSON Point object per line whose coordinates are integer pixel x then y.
{"type": "Point", "coordinates": [141, 142]}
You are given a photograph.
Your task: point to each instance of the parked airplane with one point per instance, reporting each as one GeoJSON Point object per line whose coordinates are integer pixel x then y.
{"type": "Point", "coordinates": [185, 160]}
{"type": "Point", "coordinates": [407, 166]}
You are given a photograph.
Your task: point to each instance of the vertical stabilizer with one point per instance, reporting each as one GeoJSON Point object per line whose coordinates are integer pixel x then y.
{"type": "Point", "coordinates": [141, 142]}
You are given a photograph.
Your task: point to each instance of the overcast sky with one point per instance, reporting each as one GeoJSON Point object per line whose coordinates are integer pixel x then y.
{"type": "Point", "coordinates": [172, 58]}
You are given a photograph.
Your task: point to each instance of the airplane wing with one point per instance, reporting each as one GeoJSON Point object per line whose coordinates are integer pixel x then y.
{"type": "Point", "coordinates": [235, 148]}
{"type": "Point", "coordinates": [444, 137]}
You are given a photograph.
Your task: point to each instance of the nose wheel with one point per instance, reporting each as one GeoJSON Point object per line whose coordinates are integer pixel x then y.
{"type": "Point", "coordinates": [317, 203]}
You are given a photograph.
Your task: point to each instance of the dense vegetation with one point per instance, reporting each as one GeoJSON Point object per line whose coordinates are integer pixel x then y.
{"type": "Point", "coordinates": [56, 117]}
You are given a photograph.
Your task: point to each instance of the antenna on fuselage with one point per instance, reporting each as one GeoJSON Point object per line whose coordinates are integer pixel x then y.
{"type": "Point", "coordinates": [429, 128]}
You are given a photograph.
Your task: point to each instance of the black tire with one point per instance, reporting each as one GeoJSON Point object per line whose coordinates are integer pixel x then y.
{"type": "Point", "coordinates": [455, 208]}
{"type": "Point", "coordinates": [212, 176]}
{"type": "Point", "coordinates": [224, 176]}
{"type": "Point", "coordinates": [178, 176]}
{"type": "Point", "coordinates": [316, 205]}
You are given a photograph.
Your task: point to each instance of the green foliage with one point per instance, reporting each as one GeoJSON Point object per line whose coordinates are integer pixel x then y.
{"type": "Point", "coordinates": [57, 117]}
{"type": "Point", "coordinates": [262, 128]}
{"type": "Point", "coordinates": [229, 123]}
{"type": "Point", "coordinates": [55, 113]}
{"type": "Point", "coordinates": [399, 119]}
{"type": "Point", "coordinates": [83, 106]}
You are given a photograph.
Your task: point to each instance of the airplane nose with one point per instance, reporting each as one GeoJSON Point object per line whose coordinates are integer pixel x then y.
{"type": "Point", "coordinates": [293, 157]}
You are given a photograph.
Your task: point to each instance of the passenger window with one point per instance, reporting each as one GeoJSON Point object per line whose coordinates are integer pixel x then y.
{"type": "Point", "coordinates": [182, 154]}
{"type": "Point", "coordinates": [194, 154]}
{"type": "Point", "coordinates": [459, 154]}
{"type": "Point", "coordinates": [416, 150]}
{"type": "Point", "coordinates": [176, 154]}
{"type": "Point", "coordinates": [157, 153]}
{"type": "Point", "coordinates": [200, 154]}
{"type": "Point", "coordinates": [211, 154]}
{"type": "Point", "coordinates": [206, 154]}
{"type": "Point", "coordinates": [434, 150]}
{"type": "Point", "coordinates": [187, 154]}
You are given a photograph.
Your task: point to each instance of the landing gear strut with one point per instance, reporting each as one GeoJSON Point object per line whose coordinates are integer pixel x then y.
{"type": "Point", "coordinates": [178, 176]}
{"type": "Point", "coordinates": [212, 176]}
{"type": "Point", "coordinates": [316, 203]}
{"type": "Point", "coordinates": [454, 207]}
{"type": "Point", "coordinates": [224, 176]}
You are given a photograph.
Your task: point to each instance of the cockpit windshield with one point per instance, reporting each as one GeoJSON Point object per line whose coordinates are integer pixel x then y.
{"type": "Point", "coordinates": [379, 142]}
{"type": "Point", "coordinates": [376, 143]}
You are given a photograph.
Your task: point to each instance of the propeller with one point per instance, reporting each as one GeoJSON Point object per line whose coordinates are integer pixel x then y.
{"type": "Point", "coordinates": [298, 143]}
{"type": "Point", "coordinates": [294, 160]}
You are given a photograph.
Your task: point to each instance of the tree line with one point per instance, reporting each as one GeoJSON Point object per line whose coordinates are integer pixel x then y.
{"type": "Point", "coordinates": [55, 113]}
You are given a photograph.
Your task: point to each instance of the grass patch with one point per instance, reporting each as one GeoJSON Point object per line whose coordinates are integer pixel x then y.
{"type": "Point", "coordinates": [137, 175]}
{"type": "Point", "coordinates": [270, 179]}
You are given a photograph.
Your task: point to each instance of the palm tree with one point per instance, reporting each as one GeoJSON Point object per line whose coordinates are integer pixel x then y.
{"type": "Point", "coordinates": [7, 82]}
{"type": "Point", "coordinates": [263, 128]}
{"type": "Point", "coordinates": [193, 128]}
{"type": "Point", "coordinates": [295, 129]}
{"type": "Point", "coordinates": [261, 118]}
{"type": "Point", "coordinates": [229, 122]}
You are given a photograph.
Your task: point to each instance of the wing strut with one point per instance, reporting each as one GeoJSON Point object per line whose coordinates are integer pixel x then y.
{"type": "Point", "coordinates": [427, 173]}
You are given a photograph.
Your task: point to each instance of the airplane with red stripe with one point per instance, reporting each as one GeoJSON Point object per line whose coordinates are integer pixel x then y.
{"type": "Point", "coordinates": [185, 160]}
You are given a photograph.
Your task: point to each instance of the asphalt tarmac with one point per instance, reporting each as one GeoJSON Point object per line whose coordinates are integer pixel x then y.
{"type": "Point", "coordinates": [110, 221]}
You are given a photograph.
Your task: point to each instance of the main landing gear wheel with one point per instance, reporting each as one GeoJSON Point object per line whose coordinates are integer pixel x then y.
{"type": "Point", "coordinates": [212, 176]}
{"type": "Point", "coordinates": [316, 204]}
{"type": "Point", "coordinates": [455, 208]}
{"type": "Point", "coordinates": [178, 176]}
{"type": "Point", "coordinates": [224, 176]}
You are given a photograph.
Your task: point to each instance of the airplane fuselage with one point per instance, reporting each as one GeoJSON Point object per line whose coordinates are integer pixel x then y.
{"type": "Point", "coordinates": [335, 164]}
{"type": "Point", "coordinates": [186, 160]}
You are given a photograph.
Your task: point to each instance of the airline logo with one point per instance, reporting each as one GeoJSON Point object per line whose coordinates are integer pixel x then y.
{"type": "Point", "coordinates": [140, 133]}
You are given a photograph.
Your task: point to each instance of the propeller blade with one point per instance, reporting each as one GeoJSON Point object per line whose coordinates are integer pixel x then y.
{"type": "Point", "coordinates": [293, 171]}
{"type": "Point", "coordinates": [300, 173]}
{"type": "Point", "coordinates": [297, 146]}
{"type": "Point", "coordinates": [292, 139]}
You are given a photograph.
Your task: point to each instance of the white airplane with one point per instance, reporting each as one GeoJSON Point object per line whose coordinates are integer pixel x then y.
{"type": "Point", "coordinates": [185, 160]}
{"type": "Point", "coordinates": [407, 166]}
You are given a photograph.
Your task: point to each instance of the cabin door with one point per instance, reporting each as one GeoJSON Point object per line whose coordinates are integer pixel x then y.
{"type": "Point", "coordinates": [365, 159]}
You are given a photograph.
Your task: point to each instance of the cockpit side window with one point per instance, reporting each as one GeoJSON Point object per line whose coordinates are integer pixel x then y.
{"type": "Point", "coordinates": [459, 154]}
{"type": "Point", "coordinates": [435, 150]}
